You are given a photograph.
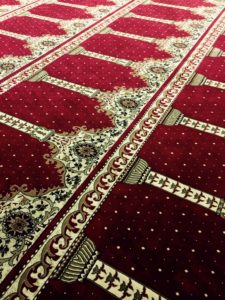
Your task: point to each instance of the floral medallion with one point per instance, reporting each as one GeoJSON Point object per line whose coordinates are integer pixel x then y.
{"type": "Point", "coordinates": [180, 45]}
{"type": "Point", "coordinates": [86, 150]}
{"type": "Point", "coordinates": [7, 66]}
{"type": "Point", "coordinates": [129, 103]}
{"type": "Point", "coordinates": [48, 43]}
{"type": "Point", "coordinates": [158, 70]}
{"type": "Point", "coordinates": [18, 225]}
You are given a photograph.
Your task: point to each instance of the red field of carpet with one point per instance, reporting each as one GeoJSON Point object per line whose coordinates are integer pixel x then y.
{"type": "Point", "coordinates": [112, 123]}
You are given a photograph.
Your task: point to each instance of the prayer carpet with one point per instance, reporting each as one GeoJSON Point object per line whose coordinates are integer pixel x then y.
{"type": "Point", "coordinates": [112, 123]}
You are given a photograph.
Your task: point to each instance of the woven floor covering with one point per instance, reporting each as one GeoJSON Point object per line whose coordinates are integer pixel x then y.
{"type": "Point", "coordinates": [112, 157]}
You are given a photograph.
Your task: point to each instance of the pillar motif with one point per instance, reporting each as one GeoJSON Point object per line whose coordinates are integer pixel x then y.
{"type": "Point", "coordinates": [175, 117]}
{"type": "Point", "coordinates": [45, 77]}
{"type": "Point", "coordinates": [38, 132]}
{"type": "Point", "coordinates": [216, 52]}
{"type": "Point", "coordinates": [199, 79]}
{"type": "Point", "coordinates": [140, 172]}
{"type": "Point", "coordinates": [85, 265]}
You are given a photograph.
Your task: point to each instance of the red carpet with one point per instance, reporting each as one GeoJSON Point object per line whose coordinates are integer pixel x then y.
{"type": "Point", "coordinates": [112, 159]}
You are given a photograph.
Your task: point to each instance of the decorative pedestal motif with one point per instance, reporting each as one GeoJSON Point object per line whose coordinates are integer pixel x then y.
{"type": "Point", "coordinates": [84, 265]}
{"type": "Point", "coordinates": [199, 79]}
{"type": "Point", "coordinates": [175, 117]}
{"type": "Point", "coordinates": [140, 173]}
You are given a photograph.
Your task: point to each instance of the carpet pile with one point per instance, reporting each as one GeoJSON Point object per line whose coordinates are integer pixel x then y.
{"type": "Point", "coordinates": [112, 123]}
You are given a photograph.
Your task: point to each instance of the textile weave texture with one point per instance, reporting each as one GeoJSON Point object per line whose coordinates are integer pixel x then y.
{"type": "Point", "coordinates": [112, 126]}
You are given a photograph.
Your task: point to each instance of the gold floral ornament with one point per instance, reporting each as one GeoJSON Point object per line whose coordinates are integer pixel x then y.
{"type": "Point", "coordinates": [48, 43]}
{"type": "Point", "coordinates": [18, 225]}
{"type": "Point", "coordinates": [180, 45]}
{"type": "Point", "coordinates": [86, 150]}
{"type": "Point", "coordinates": [7, 66]}
{"type": "Point", "coordinates": [128, 103]}
{"type": "Point", "coordinates": [196, 26]}
{"type": "Point", "coordinates": [79, 25]}
{"type": "Point", "coordinates": [158, 70]}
